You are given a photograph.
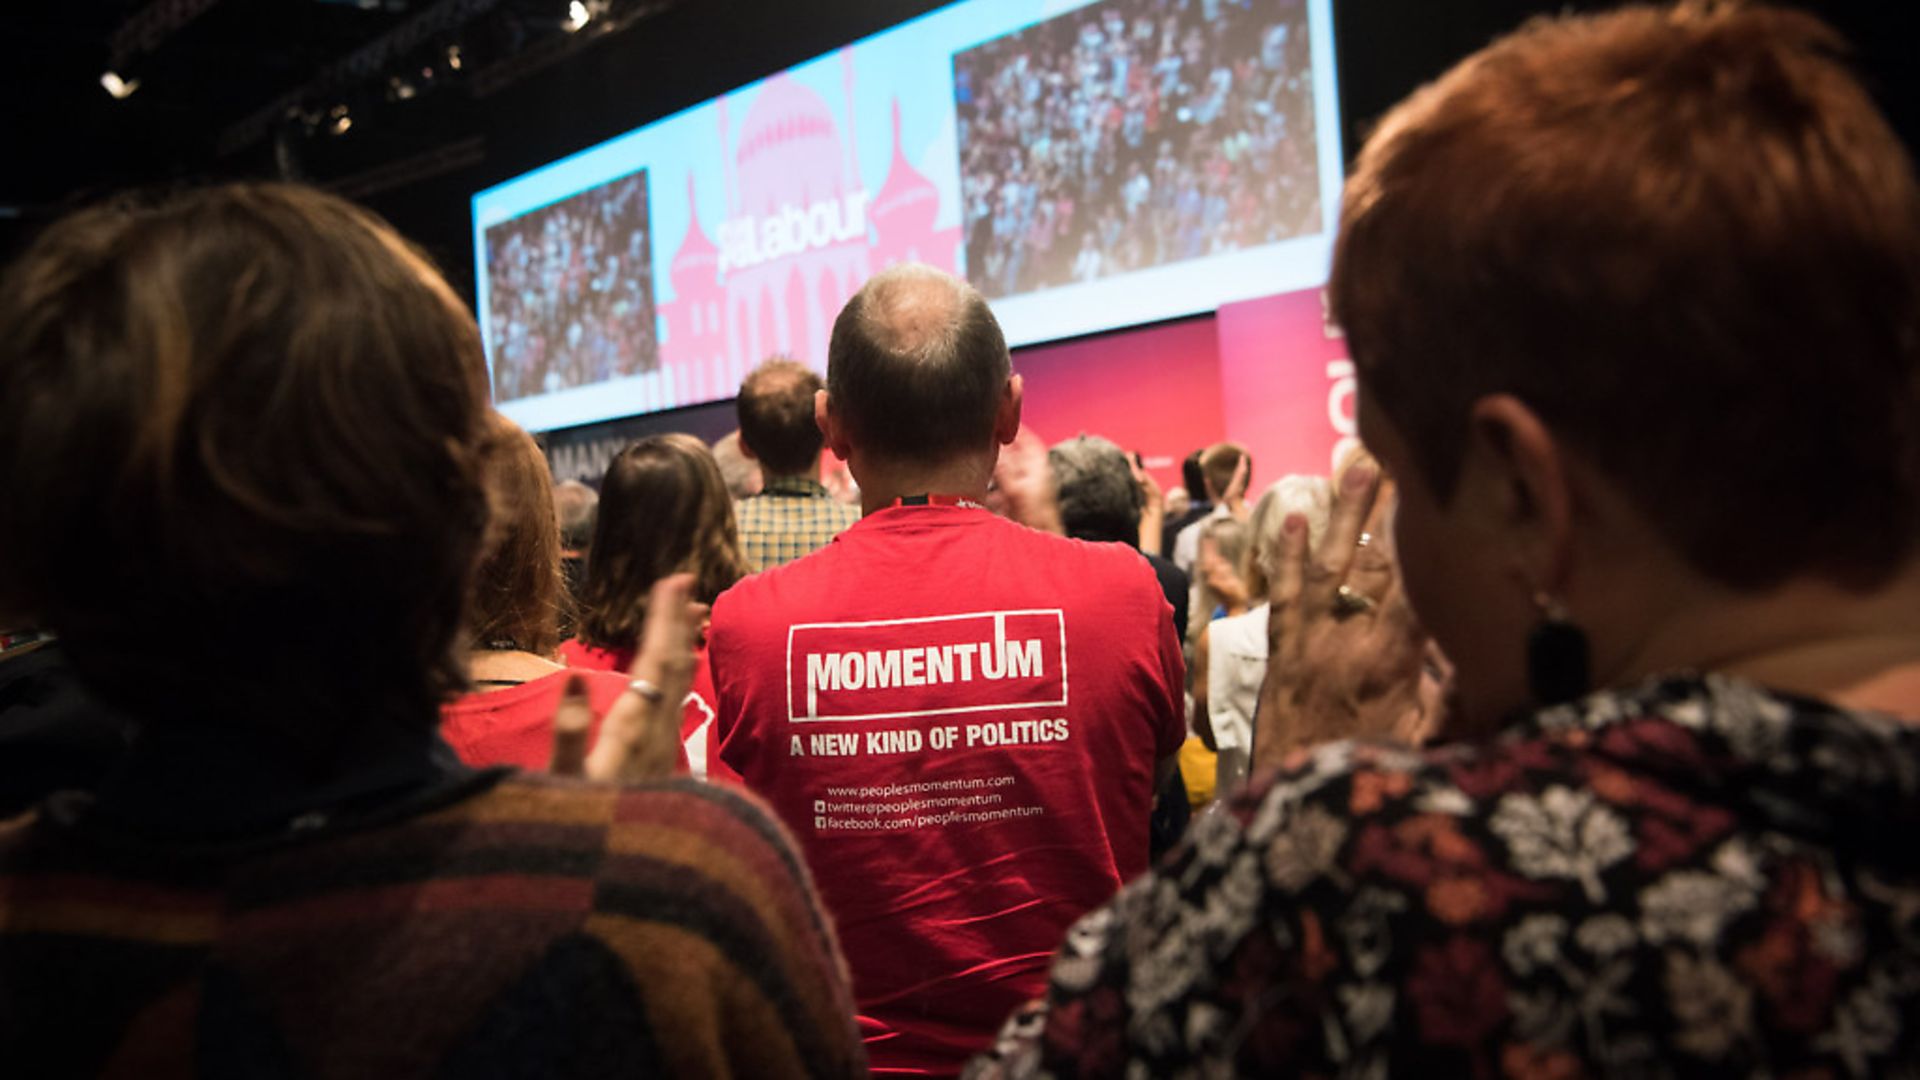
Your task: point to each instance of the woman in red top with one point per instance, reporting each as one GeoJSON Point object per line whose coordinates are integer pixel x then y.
{"type": "Point", "coordinates": [664, 509]}
{"type": "Point", "coordinates": [514, 621]}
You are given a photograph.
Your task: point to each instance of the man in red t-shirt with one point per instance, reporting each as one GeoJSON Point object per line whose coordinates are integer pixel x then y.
{"type": "Point", "coordinates": [962, 718]}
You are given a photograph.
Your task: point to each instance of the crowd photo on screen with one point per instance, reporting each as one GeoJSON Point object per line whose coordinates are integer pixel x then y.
{"type": "Point", "coordinates": [1135, 133]}
{"type": "Point", "coordinates": [572, 292]}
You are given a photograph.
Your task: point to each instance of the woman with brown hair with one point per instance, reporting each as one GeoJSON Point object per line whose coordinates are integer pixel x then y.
{"type": "Point", "coordinates": [513, 620]}
{"type": "Point", "coordinates": [664, 509]}
{"type": "Point", "coordinates": [243, 438]}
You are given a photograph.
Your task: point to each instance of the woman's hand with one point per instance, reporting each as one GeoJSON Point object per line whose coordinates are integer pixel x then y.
{"type": "Point", "coordinates": [1347, 658]}
{"type": "Point", "coordinates": [1235, 497]}
{"type": "Point", "coordinates": [640, 737]}
{"type": "Point", "coordinates": [1222, 579]}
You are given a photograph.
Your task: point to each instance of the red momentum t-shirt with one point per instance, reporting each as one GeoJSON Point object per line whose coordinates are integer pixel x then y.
{"type": "Point", "coordinates": [959, 717]}
{"type": "Point", "coordinates": [696, 713]}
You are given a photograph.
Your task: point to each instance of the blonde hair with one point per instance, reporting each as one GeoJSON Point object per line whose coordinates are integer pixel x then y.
{"type": "Point", "coordinates": [1311, 496]}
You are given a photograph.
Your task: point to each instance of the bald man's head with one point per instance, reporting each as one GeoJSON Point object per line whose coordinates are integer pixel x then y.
{"type": "Point", "coordinates": [917, 367]}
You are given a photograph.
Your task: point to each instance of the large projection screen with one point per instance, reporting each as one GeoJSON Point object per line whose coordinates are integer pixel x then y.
{"type": "Point", "coordinates": [1087, 164]}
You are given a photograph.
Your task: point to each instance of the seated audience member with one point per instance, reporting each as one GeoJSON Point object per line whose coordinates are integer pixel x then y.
{"type": "Point", "coordinates": [741, 473]}
{"type": "Point", "coordinates": [663, 510]}
{"type": "Point", "coordinates": [53, 735]}
{"type": "Point", "coordinates": [513, 620]}
{"type": "Point", "coordinates": [1634, 301]}
{"type": "Point", "coordinates": [1226, 469]}
{"type": "Point", "coordinates": [575, 505]}
{"type": "Point", "coordinates": [277, 415]}
{"type": "Point", "coordinates": [793, 515]}
{"type": "Point", "coordinates": [1194, 490]}
{"type": "Point", "coordinates": [1230, 656]}
{"type": "Point", "coordinates": [902, 695]}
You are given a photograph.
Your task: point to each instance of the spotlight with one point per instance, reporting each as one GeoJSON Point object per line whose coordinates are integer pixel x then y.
{"type": "Point", "coordinates": [118, 87]}
{"type": "Point", "coordinates": [399, 89]}
{"type": "Point", "coordinates": [577, 17]}
{"type": "Point", "coordinates": [453, 57]}
{"type": "Point", "coordinates": [338, 120]}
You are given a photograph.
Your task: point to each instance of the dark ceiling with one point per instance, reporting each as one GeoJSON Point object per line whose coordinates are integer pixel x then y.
{"type": "Point", "coordinates": [239, 88]}
{"type": "Point", "coordinates": [254, 87]}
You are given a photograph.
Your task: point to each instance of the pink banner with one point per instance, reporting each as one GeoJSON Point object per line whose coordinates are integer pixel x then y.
{"type": "Point", "coordinates": [1286, 384]}
{"type": "Point", "coordinates": [1155, 390]}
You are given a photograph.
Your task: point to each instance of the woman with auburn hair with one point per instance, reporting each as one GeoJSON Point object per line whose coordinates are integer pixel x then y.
{"type": "Point", "coordinates": [664, 509]}
{"type": "Point", "coordinates": [1634, 302]}
{"type": "Point", "coordinates": [513, 619]}
{"type": "Point", "coordinates": [243, 444]}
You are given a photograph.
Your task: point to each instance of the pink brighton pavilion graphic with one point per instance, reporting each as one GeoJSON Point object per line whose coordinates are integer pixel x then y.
{"type": "Point", "coordinates": [800, 234]}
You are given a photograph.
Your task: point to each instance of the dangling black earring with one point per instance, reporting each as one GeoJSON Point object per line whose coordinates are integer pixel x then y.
{"type": "Point", "coordinates": [1557, 667]}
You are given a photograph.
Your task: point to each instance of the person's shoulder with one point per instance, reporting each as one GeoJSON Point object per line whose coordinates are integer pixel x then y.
{"type": "Point", "coordinates": [713, 851]}
{"type": "Point", "coordinates": [1110, 556]}
{"type": "Point", "coordinates": [579, 655]}
{"type": "Point", "coordinates": [1162, 564]}
{"type": "Point", "coordinates": [738, 830]}
{"type": "Point", "coordinates": [1348, 818]}
{"type": "Point", "coordinates": [1113, 563]}
{"type": "Point", "coordinates": [603, 686]}
{"type": "Point", "coordinates": [635, 818]}
{"type": "Point", "coordinates": [750, 511]}
{"type": "Point", "coordinates": [697, 873]}
{"type": "Point", "coordinates": [1242, 633]}
{"type": "Point", "coordinates": [751, 595]}
{"type": "Point", "coordinates": [595, 678]}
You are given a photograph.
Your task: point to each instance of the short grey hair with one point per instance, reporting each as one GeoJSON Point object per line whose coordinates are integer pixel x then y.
{"type": "Point", "coordinates": [1098, 498]}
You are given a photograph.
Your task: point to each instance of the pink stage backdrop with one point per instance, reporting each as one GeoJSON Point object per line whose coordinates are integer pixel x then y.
{"type": "Point", "coordinates": [1286, 385]}
{"type": "Point", "coordinates": [1266, 373]}
{"type": "Point", "coordinates": [1155, 390]}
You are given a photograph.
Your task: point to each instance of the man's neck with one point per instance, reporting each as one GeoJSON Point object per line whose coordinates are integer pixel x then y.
{"type": "Point", "coordinates": [884, 483]}
{"type": "Point", "coordinates": [809, 476]}
{"type": "Point", "coordinates": [810, 473]}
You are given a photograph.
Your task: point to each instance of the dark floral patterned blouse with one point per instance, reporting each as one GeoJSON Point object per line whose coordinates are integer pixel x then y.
{"type": "Point", "coordinates": [1695, 878]}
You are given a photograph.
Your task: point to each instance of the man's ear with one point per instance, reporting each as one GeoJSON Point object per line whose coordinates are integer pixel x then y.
{"type": "Point", "coordinates": [1519, 472]}
{"type": "Point", "coordinates": [1006, 423]}
{"type": "Point", "coordinates": [745, 450]}
{"type": "Point", "coordinates": [829, 424]}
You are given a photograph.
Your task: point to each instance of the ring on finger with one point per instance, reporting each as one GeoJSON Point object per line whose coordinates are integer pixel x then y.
{"type": "Point", "coordinates": [1365, 539]}
{"type": "Point", "coordinates": [1350, 601]}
